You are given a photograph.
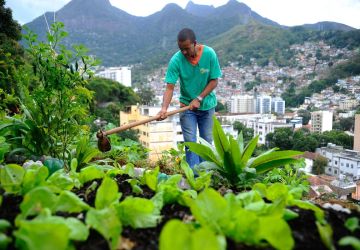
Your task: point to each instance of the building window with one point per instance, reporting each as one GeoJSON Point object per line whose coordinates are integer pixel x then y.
{"type": "Point", "coordinates": [335, 172]}
{"type": "Point", "coordinates": [342, 164]}
{"type": "Point", "coordinates": [347, 165]}
{"type": "Point", "coordinates": [335, 162]}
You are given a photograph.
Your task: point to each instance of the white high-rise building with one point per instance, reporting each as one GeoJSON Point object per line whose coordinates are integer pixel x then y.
{"type": "Point", "coordinates": [263, 104]}
{"type": "Point", "coordinates": [321, 121]}
{"type": "Point", "coordinates": [242, 104]}
{"type": "Point", "coordinates": [278, 105]}
{"type": "Point", "coordinates": [119, 74]}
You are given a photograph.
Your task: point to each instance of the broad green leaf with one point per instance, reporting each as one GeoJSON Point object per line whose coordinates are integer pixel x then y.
{"type": "Point", "coordinates": [189, 173]}
{"type": "Point", "coordinates": [70, 202]}
{"type": "Point", "coordinates": [277, 191]}
{"type": "Point", "coordinates": [36, 200]}
{"type": "Point", "coordinates": [107, 224]}
{"type": "Point", "coordinates": [61, 180]}
{"type": "Point", "coordinates": [78, 231]}
{"type": "Point", "coordinates": [170, 189]}
{"type": "Point", "coordinates": [53, 164]}
{"type": "Point", "coordinates": [249, 150]}
{"type": "Point", "coordinates": [138, 213]}
{"type": "Point", "coordinates": [273, 164]}
{"type": "Point", "coordinates": [34, 177]}
{"type": "Point", "coordinates": [243, 226]}
{"type": "Point", "coordinates": [203, 181]}
{"type": "Point", "coordinates": [272, 156]}
{"type": "Point", "coordinates": [90, 173]}
{"type": "Point", "coordinates": [230, 168]}
{"type": "Point", "coordinates": [11, 177]}
{"type": "Point", "coordinates": [210, 209]}
{"type": "Point", "coordinates": [220, 140]}
{"type": "Point", "coordinates": [277, 232]}
{"type": "Point", "coordinates": [107, 193]}
{"type": "Point", "coordinates": [235, 154]}
{"type": "Point", "coordinates": [204, 238]}
{"type": "Point", "coordinates": [203, 151]}
{"type": "Point", "coordinates": [240, 141]}
{"type": "Point", "coordinates": [175, 235]}
{"type": "Point", "coordinates": [151, 178]}
{"type": "Point", "coordinates": [39, 235]}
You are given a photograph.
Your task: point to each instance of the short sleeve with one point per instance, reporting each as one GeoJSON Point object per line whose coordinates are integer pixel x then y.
{"type": "Point", "coordinates": [215, 71]}
{"type": "Point", "coordinates": [172, 73]}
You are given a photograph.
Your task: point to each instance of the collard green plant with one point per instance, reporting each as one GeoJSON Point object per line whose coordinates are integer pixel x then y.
{"type": "Point", "coordinates": [232, 159]}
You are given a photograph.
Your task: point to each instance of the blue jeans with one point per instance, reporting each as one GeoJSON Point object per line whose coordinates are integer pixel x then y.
{"type": "Point", "coordinates": [190, 121]}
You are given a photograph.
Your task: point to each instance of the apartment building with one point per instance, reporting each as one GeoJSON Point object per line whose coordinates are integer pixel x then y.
{"type": "Point", "coordinates": [341, 161]}
{"type": "Point", "coordinates": [265, 125]}
{"type": "Point", "coordinates": [321, 121]}
{"type": "Point", "coordinates": [118, 74]}
{"type": "Point", "coordinates": [278, 105]}
{"type": "Point", "coordinates": [263, 104]}
{"type": "Point", "coordinates": [348, 104]}
{"type": "Point", "coordinates": [241, 104]}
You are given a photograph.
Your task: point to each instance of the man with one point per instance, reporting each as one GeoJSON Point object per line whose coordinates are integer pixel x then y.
{"type": "Point", "coordinates": [198, 69]}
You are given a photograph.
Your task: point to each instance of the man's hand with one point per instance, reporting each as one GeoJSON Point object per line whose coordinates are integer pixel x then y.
{"type": "Point", "coordinates": [194, 104]}
{"type": "Point", "coordinates": [162, 114]}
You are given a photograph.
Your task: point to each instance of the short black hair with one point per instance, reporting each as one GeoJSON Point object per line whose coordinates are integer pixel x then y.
{"type": "Point", "coordinates": [186, 34]}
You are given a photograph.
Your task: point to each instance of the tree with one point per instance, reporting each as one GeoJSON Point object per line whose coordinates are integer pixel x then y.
{"type": "Point", "coordinates": [107, 90]}
{"type": "Point", "coordinates": [306, 115]}
{"type": "Point", "coordinates": [319, 165]}
{"type": "Point", "coordinates": [281, 138]}
{"type": "Point", "coordinates": [11, 57]}
{"type": "Point", "coordinates": [221, 108]}
{"type": "Point", "coordinates": [147, 95]}
{"type": "Point", "coordinates": [248, 133]}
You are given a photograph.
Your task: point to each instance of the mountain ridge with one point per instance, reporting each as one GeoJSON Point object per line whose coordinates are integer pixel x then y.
{"type": "Point", "coordinates": [119, 38]}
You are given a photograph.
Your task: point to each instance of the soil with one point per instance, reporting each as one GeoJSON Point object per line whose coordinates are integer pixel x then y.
{"type": "Point", "coordinates": [304, 229]}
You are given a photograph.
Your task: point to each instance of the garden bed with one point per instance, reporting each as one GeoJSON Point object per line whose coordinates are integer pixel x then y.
{"type": "Point", "coordinates": [304, 230]}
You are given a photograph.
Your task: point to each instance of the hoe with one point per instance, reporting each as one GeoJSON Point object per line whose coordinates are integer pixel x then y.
{"type": "Point", "coordinates": [104, 142]}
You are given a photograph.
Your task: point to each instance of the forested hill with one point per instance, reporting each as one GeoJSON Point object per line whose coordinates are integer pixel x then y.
{"type": "Point", "coordinates": [118, 38]}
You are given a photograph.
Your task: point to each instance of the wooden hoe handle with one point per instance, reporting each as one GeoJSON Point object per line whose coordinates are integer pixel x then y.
{"type": "Point", "coordinates": [137, 123]}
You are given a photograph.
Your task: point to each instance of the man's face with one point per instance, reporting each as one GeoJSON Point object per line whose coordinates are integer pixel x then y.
{"type": "Point", "coordinates": [187, 48]}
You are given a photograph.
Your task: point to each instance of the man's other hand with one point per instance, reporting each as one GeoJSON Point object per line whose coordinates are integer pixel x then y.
{"type": "Point", "coordinates": [194, 104]}
{"type": "Point", "coordinates": [162, 114]}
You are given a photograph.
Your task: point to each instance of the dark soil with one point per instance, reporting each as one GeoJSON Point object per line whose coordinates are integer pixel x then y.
{"type": "Point", "coordinates": [304, 229]}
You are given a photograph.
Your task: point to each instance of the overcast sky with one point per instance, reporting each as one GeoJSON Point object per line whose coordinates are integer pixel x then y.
{"type": "Point", "coordinates": [285, 12]}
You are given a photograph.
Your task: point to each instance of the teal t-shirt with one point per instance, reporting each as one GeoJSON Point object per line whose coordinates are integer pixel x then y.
{"type": "Point", "coordinates": [194, 78]}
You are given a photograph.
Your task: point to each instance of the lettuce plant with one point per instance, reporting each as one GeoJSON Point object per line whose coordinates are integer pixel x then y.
{"type": "Point", "coordinates": [232, 159]}
{"type": "Point", "coordinates": [177, 235]}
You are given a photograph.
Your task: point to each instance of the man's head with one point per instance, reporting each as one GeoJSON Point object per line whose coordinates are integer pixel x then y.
{"type": "Point", "coordinates": [187, 42]}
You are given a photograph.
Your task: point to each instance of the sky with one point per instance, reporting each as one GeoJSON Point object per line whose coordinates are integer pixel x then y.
{"type": "Point", "coordinates": [284, 12]}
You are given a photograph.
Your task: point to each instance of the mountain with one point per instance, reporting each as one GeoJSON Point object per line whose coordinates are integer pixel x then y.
{"type": "Point", "coordinates": [323, 26]}
{"type": "Point", "coordinates": [118, 38]}
{"type": "Point", "coordinates": [199, 10]}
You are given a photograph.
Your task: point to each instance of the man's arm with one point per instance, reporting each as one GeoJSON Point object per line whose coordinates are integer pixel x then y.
{"type": "Point", "coordinates": [195, 104]}
{"type": "Point", "coordinates": [166, 100]}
